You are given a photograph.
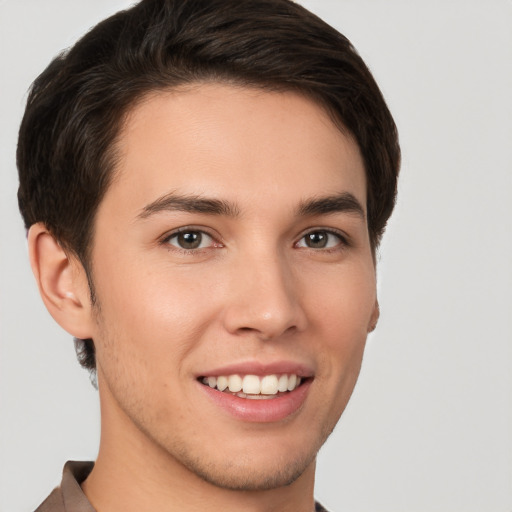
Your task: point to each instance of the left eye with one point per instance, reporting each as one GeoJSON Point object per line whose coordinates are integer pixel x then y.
{"type": "Point", "coordinates": [320, 239]}
{"type": "Point", "coordinates": [190, 240]}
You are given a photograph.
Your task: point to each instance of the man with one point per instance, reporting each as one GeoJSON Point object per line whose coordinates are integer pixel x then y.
{"type": "Point", "coordinates": [205, 184]}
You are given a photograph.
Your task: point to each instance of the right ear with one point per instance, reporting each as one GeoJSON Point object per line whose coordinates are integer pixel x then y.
{"type": "Point", "coordinates": [62, 282]}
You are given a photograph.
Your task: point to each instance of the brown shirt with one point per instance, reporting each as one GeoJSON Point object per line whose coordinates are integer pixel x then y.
{"type": "Point", "coordinates": [68, 497]}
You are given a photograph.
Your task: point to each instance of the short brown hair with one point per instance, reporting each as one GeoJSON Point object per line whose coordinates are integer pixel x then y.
{"type": "Point", "coordinates": [66, 149]}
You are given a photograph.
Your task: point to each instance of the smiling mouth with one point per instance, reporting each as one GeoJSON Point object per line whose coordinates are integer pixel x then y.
{"type": "Point", "coordinates": [254, 387]}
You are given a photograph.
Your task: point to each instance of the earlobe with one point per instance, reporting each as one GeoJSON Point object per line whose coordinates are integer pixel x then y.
{"type": "Point", "coordinates": [61, 281]}
{"type": "Point", "coordinates": [375, 317]}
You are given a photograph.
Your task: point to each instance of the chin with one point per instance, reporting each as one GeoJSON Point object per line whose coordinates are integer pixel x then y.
{"type": "Point", "coordinates": [258, 462]}
{"type": "Point", "coordinates": [244, 475]}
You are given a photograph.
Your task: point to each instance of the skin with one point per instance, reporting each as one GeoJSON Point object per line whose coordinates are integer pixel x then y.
{"type": "Point", "coordinates": [253, 291]}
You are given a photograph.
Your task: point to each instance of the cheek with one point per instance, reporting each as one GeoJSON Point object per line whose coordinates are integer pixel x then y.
{"type": "Point", "coordinates": [341, 314]}
{"type": "Point", "coordinates": [156, 318]}
{"type": "Point", "coordinates": [146, 328]}
{"type": "Point", "coordinates": [159, 298]}
{"type": "Point", "coordinates": [343, 301]}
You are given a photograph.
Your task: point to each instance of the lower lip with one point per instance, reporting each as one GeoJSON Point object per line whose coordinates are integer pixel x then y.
{"type": "Point", "coordinates": [261, 411]}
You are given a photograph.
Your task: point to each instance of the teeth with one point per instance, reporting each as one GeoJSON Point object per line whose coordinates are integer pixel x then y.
{"type": "Point", "coordinates": [235, 383]}
{"type": "Point", "coordinates": [222, 383]}
{"type": "Point", "coordinates": [292, 382]}
{"type": "Point", "coordinates": [251, 384]}
{"type": "Point", "coordinates": [282, 384]}
{"type": "Point", "coordinates": [269, 385]}
{"type": "Point", "coordinates": [258, 397]}
{"type": "Point", "coordinates": [254, 387]}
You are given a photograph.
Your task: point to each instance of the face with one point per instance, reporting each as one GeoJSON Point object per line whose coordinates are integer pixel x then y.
{"type": "Point", "coordinates": [235, 283]}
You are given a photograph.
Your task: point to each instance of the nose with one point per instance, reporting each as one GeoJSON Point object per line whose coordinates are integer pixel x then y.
{"type": "Point", "coordinates": [264, 299]}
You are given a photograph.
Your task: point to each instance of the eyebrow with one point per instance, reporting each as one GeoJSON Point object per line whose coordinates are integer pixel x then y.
{"type": "Point", "coordinates": [338, 203]}
{"type": "Point", "coordinates": [189, 203]}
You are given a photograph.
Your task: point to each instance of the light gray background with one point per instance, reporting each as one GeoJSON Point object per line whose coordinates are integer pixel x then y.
{"type": "Point", "coordinates": [429, 427]}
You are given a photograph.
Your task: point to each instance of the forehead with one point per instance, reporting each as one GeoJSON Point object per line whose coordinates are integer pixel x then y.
{"type": "Point", "coordinates": [238, 143]}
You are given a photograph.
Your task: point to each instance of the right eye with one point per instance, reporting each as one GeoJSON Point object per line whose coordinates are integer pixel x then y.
{"type": "Point", "coordinates": [190, 239]}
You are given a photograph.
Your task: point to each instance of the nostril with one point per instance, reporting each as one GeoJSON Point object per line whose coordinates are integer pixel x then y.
{"type": "Point", "coordinates": [267, 334]}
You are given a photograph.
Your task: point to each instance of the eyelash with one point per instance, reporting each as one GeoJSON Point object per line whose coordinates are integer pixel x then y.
{"type": "Point", "coordinates": [189, 230]}
{"type": "Point", "coordinates": [343, 241]}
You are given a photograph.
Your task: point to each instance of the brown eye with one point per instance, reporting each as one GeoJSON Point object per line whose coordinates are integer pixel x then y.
{"type": "Point", "coordinates": [316, 240]}
{"type": "Point", "coordinates": [190, 240]}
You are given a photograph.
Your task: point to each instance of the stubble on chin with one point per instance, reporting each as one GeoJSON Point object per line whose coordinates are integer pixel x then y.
{"type": "Point", "coordinates": [242, 475]}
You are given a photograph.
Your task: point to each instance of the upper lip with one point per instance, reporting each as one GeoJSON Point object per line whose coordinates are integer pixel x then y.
{"type": "Point", "coordinates": [260, 368]}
